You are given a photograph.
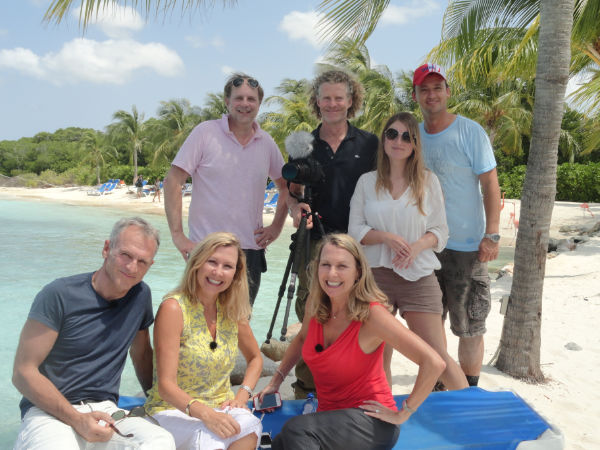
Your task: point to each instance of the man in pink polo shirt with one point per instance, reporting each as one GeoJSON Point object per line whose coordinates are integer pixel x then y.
{"type": "Point", "coordinates": [229, 160]}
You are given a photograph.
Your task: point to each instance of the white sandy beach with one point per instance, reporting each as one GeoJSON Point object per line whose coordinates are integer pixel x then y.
{"type": "Point", "coordinates": [571, 312]}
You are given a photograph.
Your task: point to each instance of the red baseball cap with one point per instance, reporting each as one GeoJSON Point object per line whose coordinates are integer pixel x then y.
{"type": "Point", "coordinates": [422, 71]}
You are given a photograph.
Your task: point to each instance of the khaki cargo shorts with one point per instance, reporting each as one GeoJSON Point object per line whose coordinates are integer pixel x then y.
{"type": "Point", "coordinates": [465, 285]}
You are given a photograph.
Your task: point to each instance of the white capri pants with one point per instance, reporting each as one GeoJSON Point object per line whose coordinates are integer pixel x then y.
{"type": "Point", "coordinates": [191, 433]}
{"type": "Point", "coordinates": [40, 430]}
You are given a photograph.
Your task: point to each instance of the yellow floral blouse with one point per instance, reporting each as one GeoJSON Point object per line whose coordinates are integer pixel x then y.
{"type": "Point", "coordinates": [203, 373]}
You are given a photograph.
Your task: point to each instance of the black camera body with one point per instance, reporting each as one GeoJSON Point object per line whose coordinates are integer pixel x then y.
{"type": "Point", "coordinates": [306, 171]}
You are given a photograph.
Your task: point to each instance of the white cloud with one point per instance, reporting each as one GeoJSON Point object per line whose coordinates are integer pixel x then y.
{"type": "Point", "coordinates": [195, 41]}
{"type": "Point", "coordinates": [107, 62]}
{"type": "Point", "coordinates": [198, 42]}
{"type": "Point", "coordinates": [217, 42]}
{"type": "Point", "coordinates": [115, 20]}
{"type": "Point", "coordinates": [301, 26]}
{"type": "Point", "coordinates": [22, 60]}
{"type": "Point", "coordinates": [398, 15]}
{"type": "Point", "coordinates": [227, 70]}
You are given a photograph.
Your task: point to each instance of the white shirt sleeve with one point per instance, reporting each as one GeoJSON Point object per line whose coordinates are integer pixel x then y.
{"type": "Point", "coordinates": [357, 224]}
{"type": "Point", "coordinates": [436, 212]}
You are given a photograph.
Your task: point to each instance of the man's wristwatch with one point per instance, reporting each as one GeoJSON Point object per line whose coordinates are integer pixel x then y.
{"type": "Point", "coordinates": [494, 237]}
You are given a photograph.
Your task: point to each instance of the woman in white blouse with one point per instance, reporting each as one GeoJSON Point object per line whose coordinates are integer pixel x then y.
{"type": "Point", "coordinates": [397, 214]}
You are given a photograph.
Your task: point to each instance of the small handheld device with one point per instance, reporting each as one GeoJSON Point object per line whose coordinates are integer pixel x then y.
{"type": "Point", "coordinates": [265, 441]}
{"type": "Point", "coordinates": [269, 401]}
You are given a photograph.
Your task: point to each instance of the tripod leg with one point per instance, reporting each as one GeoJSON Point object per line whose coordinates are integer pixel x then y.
{"type": "Point", "coordinates": [301, 236]}
{"type": "Point", "coordinates": [281, 291]}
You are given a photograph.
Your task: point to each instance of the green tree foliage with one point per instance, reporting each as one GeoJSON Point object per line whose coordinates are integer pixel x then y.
{"type": "Point", "coordinates": [214, 107]}
{"type": "Point", "coordinates": [132, 127]}
{"type": "Point", "coordinates": [574, 182]}
{"type": "Point", "coordinates": [177, 118]}
{"type": "Point", "coordinates": [97, 150]}
{"type": "Point", "coordinates": [294, 113]}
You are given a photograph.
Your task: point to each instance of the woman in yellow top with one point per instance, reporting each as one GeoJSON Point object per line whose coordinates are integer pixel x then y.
{"type": "Point", "coordinates": [198, 330]}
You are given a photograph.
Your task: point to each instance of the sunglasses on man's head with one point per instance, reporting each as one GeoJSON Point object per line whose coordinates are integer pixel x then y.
{"type": "Point", "coordinates": [237, 82]}
{"type": "Point", "coordinates": [392, 134]}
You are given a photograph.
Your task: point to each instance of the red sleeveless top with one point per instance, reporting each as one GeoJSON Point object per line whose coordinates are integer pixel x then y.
{"type": "Point", "coordinates": [345, 376]}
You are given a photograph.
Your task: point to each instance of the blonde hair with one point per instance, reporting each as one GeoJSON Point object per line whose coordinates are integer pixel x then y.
{"type": "Point", "coordinates": [364, 291]}
{"type": "Point", "coordinates": [415, 166]}
{"type": "Point", "coordinates": [235, 300]}
{"type": "Point", "coordinates": [354, 90]}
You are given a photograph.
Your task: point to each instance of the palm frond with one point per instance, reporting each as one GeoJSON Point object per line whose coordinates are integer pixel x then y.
{"type": "Point", "coordinates": [90, 9]}
{"type": "Point", "coordinates": [354, 19]}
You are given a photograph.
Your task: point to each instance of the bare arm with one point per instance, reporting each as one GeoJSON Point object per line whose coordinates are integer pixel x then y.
{"type": "Point", "coordinates": [254, 362]}
{"type": "Point", "coordinates": [297, 207]}
{"type": "Point", "coordinates": [382, 326]}
{"type": "Point", "coordinates": [173, 209]}
{"type": "Point", "coordinates": [167, 333]}
{"type": "Point", "coordinates": [266, 235]}
{"type": "Point", "coordinates": [281, 210]}
{"type": "Point", "coordinates": [488, 250]}
{"type": "Point", "coordinates": [35, 344]}
{"type": "Point", "coordinates": [141, 357]}
{"type": "Point", "coordinates": [290, 358]}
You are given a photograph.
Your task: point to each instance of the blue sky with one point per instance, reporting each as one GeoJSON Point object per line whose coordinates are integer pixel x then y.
{"type": "Point", "coordinates": [53, 76]}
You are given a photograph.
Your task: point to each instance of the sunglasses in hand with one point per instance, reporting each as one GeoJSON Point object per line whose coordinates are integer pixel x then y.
{"type": "Point", "coordinates": [138, 411]}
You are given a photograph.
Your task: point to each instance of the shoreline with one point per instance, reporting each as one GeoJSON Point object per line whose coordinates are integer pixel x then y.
{"type": "Point", "coordinates": [569, 356]}
{"type": "Point", "coordinates": [123, 198]}
{"type": "Point", "coordinates": [564, 213]}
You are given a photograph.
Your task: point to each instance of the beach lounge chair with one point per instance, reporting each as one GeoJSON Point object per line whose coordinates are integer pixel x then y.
{"type": "Point", "coordinates": [97, 191]}
{"type": "Point", "coordinates": [109, 187]}
{"type": "Point", "coordinates": [186, 190]}
{"type": "Point", "coordinates": [146, 190]}
{"type": "Point", "coordinates": [271, 204]}
{"type": "Point", "coordinates": [470, 418]}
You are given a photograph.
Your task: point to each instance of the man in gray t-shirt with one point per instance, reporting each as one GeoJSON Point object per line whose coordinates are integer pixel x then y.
{"type": "Point", "coordinates": [74, 345]}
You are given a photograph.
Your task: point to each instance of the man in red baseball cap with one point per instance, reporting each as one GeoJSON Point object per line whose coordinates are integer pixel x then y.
{"type": "Point", "coordinates": [422, 71]}
{"type": "Point", "coordinates": [459, 152]}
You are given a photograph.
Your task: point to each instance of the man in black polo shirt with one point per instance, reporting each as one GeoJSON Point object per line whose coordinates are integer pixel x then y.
{"type": "Point", "coordinates": [345, 153]}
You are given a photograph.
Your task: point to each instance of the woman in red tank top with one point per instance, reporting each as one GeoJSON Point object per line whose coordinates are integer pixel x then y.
{"type": "Point", "coordinates": [345, 328]}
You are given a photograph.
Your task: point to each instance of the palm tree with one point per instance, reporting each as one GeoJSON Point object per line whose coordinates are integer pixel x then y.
{"type": "Point", "coordinates": [214, 106]}
{"type": "Point", "coordinates": [504, 110]}
{"type": "Point", "coordinates": [95, 144]}
{"type": "Point", "coordinates": [132, 125]}
{"type": "Point", "coordinates": [520, 344]}
{"type": "Point", "coordinates": [177, 119]}
{"type": "Point", "coordinates": [294, 113]}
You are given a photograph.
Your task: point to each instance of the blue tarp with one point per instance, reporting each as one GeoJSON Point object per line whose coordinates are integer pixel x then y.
{"type": "Point", "coordinates": [471, 418]}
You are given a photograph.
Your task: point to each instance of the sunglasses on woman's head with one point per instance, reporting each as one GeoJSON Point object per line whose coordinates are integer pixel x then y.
{"type": "Point", "coordinates": [392, 134]}
{"type": "Point", "coordinates": [237, 82]}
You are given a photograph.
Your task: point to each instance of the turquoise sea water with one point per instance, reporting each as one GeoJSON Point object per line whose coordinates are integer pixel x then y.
{"type": "Point", "coordinates": [42, 241]}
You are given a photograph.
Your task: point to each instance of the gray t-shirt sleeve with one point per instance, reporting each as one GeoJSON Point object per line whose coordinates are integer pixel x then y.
{"type": "Point", "coordinates": [48, 307]}
{"type": "Point", "coordinates": [148, 313]}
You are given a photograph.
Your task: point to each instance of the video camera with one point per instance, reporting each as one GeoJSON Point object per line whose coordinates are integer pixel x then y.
{"type": "Point", "coordinates": [302, 168]}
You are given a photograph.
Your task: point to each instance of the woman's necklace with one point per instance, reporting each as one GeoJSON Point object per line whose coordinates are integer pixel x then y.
{"type": "Point", "coordinates": [334, 315]}
{"type": "Point", "coordinates": [210, 321]}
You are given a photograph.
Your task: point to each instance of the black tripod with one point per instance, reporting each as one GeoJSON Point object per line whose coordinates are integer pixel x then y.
{"type": "Point", "coordinates": [300, 243]}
